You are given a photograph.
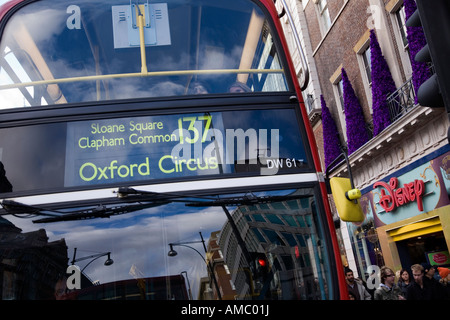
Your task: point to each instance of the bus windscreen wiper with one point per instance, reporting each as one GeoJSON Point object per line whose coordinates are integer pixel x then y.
{"type": "Point", "coordinates": [244, 200]}
{"type": "Point", "coordinates": [130, 194]}
{"type": "Point", "coordinates": [26, 211]}
{"type": "Point", "coordinates": [140, 199]}
{"type": "Point", "coordinates": [249, 198]}
{"type": "Point", "coordinates": [22, 210]}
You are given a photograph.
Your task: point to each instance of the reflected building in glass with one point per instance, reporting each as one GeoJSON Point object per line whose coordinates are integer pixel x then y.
{"type": "Point", "coordinates": [30, 265]}
{"type": "Point", "coordinates": [284, 249]}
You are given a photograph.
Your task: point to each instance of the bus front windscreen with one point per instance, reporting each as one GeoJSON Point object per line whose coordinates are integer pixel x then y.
{"type": "Point", "coordinates": [266, 244]}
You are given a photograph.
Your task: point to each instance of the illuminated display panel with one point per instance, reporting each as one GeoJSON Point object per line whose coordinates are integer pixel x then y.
{"type": "Point", "coordinates": [121, 151]}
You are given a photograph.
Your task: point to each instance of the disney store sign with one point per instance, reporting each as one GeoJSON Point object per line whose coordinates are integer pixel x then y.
{"type": "Point", "coordinates": [393, 196]}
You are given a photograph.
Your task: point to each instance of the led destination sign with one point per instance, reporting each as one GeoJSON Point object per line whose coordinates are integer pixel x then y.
{"type": "Point", "coordinates": [142, 148]}
{"type": "Point", "coordinates": [137, 149]}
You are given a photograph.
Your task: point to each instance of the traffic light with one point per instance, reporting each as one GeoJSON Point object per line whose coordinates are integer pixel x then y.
{"type": "Point", "coordinates": [434, 17]}
{"type": "Point", "coordinates": [262, 275]}
{"type": "Point", "coordinates": [262, 265]}
{"type": "Point", "coordinates": [262, 262]}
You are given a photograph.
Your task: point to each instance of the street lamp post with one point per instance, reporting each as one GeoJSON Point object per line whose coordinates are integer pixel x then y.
{"type": "Point", "coordinates": [94, 257]}
{"type": "Point", "coordinates": [173, 253]}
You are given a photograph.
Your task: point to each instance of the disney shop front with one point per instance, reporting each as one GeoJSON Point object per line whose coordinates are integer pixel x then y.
{"type": "Point", "coordinates": [407, 216]}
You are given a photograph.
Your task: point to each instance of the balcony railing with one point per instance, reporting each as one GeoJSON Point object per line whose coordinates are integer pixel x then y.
{"type": "Point", "coordinates": [401, 101]}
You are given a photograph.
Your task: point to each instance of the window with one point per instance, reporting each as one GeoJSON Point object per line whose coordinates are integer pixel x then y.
{"type": "Point", "coordinates": [367, 67]}
{"type": "Point", "coordinates": [87, 54]}
{"type": "Point", "coordinates": [397, 15]}
{"type": "Point", "coordinates": [142, 149]}
{"type": "Point", "coordinates": [309, 102]}
{"type": "Point", "coordinates": [339, 98]}
{"type": "Point", "coordinates": [400, 18]}
{"type": "Point", "coordinates": [340, 90]}
{"type": "Point", "coordinates": [140, 237]}
{"type": "Point", "coordinates": [324, 15]}
{"type": "Point", "coordinates": [362, 50]}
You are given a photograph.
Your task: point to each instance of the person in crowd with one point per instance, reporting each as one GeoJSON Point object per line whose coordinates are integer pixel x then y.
{"type": "Point", "coordinates": [430, 278]}
{"type": "Point", "coordinates": [61, 288]}
{"type": "Point", "coordinates": [444, 273]}
{"type": "Point", "coordinates": [237, 87]}
{"type": "Point", "coordinates": [420, 288]}
{"type": "Point", "coordinates": [404, 281]}
{"type": "Point", "coordinates": [428, 270]}
{"type": "Point", "coordinates": [198, 87]}
{"type": "Point", "coordinates": [388, 290]}
{"type": "Point", "coordinates": [355, 287]}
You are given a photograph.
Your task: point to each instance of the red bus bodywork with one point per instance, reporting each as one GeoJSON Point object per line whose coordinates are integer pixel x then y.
{"type": "Point", "coordinates": [270, 7]}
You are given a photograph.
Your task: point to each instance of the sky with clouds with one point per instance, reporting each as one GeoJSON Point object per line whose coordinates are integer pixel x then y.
{"type": "Point", "coordinates": [137, 241]}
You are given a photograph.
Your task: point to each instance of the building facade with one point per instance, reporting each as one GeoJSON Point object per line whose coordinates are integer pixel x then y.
{"type": "Point", "coordinates": [402, 170]}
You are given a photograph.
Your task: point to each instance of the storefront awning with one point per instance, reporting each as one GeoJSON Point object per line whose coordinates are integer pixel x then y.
{"type": "Point", "coordinates": [416, 229]}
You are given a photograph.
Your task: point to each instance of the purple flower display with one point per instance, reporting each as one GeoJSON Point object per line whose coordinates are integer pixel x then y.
{"type": "Point", "coordinates": [330, 134]}
{"type": "Point", "coordinates": [354, 119]}
{"type": "Point", "coordinates": [382, 85]}
{"type": "Point", "coordinates": [416, 40]}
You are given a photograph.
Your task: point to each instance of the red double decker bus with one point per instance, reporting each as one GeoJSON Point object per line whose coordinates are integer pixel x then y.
{"type": "Point", "coordinates": [171, 137]}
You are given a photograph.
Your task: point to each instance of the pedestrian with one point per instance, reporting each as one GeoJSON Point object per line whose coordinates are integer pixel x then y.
{"type": "Point", "coordinates": [355, 287]}
{"type": "Point", "coordinates": [428, 270]}
{"type": "Point", "coordinates": [388, 290]}
{"type": "Point", "coordinates": [404, 281]}
{"type": "Point", "coordinates": [429, 278]}
{"type": "Point", "coordinates": [420, 289]}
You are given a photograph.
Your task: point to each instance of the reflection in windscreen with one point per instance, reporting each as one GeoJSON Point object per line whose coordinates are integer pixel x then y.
{"type": "Point", "coordinates": [74, 51]}
{"type": "Point", "coordinates": [266, 245]}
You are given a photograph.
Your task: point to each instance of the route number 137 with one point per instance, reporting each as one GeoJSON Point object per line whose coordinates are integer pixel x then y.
{"type": "Point", "coordinates": [190, 122]}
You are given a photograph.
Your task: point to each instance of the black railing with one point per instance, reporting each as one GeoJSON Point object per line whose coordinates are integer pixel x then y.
{"type": "Point", "coordinates": [401, 101]}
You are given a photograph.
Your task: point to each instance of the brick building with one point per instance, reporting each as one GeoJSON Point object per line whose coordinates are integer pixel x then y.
{"type": "Point", "coordinates": [335, 34]}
